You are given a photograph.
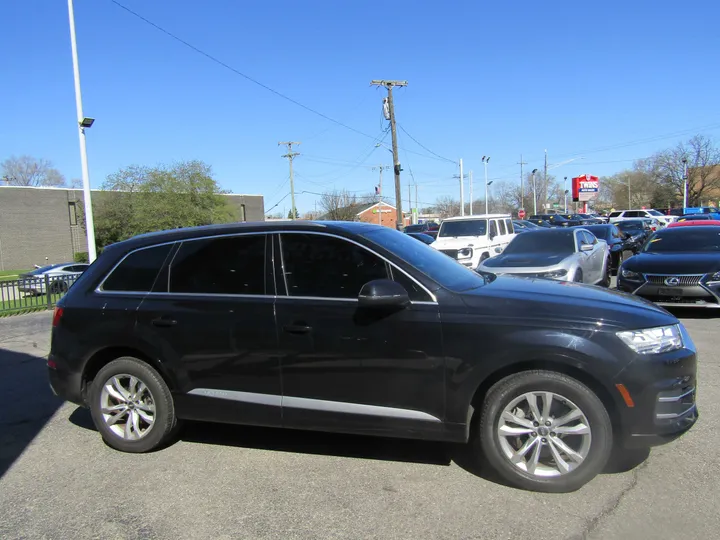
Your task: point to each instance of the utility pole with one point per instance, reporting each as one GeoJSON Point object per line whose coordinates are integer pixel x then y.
{"type": "Point", "coordinates": [417, 206]}
{"type": "Point", "coordinates": [534, 193]}
{"type": "Point", "coordinates": [470, 179]}
{"type": "Point", "coordinates": [396, 158]}
{"type": "Point", "coordinates": [685, 184]}
{"type": "Point", "coordinates": [522, 183]}
{"type": "Point", "coordinates": [485, 160]}
{"type": "Point", "coordinates": [565, 192]}
{"type": "Point", "coordinates": [462, 193]}
{"type": "Point", "coordinates": [412, 220]}
{"type": "Point", "coordinates": [380, 168]}
{"type": "Point", "coordinates": [545, 183]}
{"type": "Point", "coordinates": [290, 156]}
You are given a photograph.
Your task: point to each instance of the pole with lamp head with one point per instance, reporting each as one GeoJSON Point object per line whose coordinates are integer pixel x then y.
{"type": "Point", "coordinates": [534, 192]}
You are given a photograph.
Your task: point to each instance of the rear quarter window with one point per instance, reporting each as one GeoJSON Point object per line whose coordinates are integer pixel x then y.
{"type": "Point", "coordinates": [138, 270]}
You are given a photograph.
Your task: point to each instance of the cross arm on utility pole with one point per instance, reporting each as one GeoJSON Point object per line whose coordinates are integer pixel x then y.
{"type": "Point", "coordinates": [290, 156]}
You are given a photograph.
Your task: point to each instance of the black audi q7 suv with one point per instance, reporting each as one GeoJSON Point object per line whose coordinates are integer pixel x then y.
{"type": "Point", "coordinates": [356, 328]}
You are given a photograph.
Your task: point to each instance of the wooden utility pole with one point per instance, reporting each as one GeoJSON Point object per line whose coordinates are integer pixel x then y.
{"type": "Point", "coordinates": [545, 183]}
{"type": "Point", "coordinates": [380, 168]}
{"type": "Point", "coordinates": [471, 192]}
{"type": "Point", "coordinates": [290, 156]}
{"type": "Point", "coordinates": [522, 183]}
{"type": "Point", "coordinates": [396, 158]}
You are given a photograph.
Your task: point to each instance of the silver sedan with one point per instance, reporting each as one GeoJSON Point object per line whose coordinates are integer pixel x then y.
{"type": "Point", "coordinates": [59, 278]}
{"type": "Point", "coordinates": [562, 254]}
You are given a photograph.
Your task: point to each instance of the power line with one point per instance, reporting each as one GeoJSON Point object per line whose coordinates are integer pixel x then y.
{"type": "Point", "coordinates": [425, 147]}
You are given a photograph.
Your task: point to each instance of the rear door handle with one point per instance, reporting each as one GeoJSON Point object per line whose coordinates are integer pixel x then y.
{"type": "Point", "coordinates": [297, 328]}
{"type": "Point", "coordinates": [163, 322]}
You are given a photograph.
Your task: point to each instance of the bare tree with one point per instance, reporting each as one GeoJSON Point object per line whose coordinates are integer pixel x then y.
{"type": "Point", "coordinates": [703, 165]}
{"type": "Point", "coordinates": [447, 207]}
{"type": "Point", "coordinates": [30, 171]}
{"type": "Point", "coordinates": [339, 205]}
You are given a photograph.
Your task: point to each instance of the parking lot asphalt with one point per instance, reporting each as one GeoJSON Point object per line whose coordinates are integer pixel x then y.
{"type": "Point", "coordinates": [60, 481]}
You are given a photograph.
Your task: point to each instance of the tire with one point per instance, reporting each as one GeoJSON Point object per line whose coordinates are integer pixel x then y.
{"type": "Point", "coordinates": [58, 287]}
{"type": "Point", "coordinates": [592, 449]}
{"type": "Point", "coordinates": [578, 277]}
{"type": "Point", "coordinates": [153, 402]}
{"type": "Point", "coordinates": [619, 261]}
{"type": "Point", "coordinates": [607, 277]}
{"type": "Point", "coordinates": [484, 257]}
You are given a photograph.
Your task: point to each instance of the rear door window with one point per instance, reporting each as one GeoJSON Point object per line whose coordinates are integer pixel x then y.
{"type": "Point", "coordinates": [137, 272]}
{"type": "Point", "coordinates": [614, 214]}
{"type": "Point", "coordinates": [510, 226]}
{"type": "Point", "coordinates": [224, 265]}
{"type": "Point", "coordinates": [501, 224]}
{"type": "Point", "coordinates": [493, 227]}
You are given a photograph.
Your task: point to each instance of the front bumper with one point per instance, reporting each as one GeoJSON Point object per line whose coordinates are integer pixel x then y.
{"type": "Point", "coordinates": [63, 383]}
{"type": "Point", "coordinates": [695, 294]}
{"type": "Point", "coordinates": [663, 389]}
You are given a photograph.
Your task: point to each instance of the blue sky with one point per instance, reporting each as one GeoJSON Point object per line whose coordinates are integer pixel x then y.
{"type": "Point", "coordinates": [497, 79]}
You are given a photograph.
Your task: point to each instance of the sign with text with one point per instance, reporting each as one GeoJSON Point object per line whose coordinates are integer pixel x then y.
{"type": "Point", "coordinates": [585, 188]}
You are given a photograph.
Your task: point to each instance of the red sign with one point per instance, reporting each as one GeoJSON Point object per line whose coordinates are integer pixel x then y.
{"type": "Point", "coordinates": [521, 214]}
{"type": "Point", "coordinates": [585, 187]}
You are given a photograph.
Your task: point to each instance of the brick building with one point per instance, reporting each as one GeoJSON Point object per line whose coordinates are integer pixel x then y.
{"type": "Point", "coordinates": [40, 225]}
{"type": "Point", "coordinates": [380, 213]}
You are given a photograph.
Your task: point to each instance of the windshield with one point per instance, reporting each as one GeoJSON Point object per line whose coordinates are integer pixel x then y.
{"type": "Point", "coordinates": [630, 225]}
{"type": "Point", "coordinates": [684, 240]}
{"type": "Point", "coordinates": [655, 213]}
{"type": "Point", "coordinates": [557, 242]}
{"type": "Point", "coordinates": [436, 265]}
{"type": "Point", "coordinates": [470, 227]}
{"type": "Point", "coordinates": [601, 231]}
{"type": "Point", "coordinates": [414, 228]}
{"type": "Point", "coordinates": [44, 269]}
{"type": "Point", "coordinates": [525, 225]}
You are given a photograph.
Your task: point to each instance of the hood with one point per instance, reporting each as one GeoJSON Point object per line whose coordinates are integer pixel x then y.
{"type": "Point", "coordinates": [564, 301]}
{"type": "Point", "coordinates": [450, 242]}
{"type": "Point", "coordinates": [674, 263]}
{"type": "Point", "coordinates": [525, 260]}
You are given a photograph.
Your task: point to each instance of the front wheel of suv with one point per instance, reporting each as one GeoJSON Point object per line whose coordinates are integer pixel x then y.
{"type": "Point", "coordinates": [544, 431]}
{"type": "Point", "coordinates": [131, 406]}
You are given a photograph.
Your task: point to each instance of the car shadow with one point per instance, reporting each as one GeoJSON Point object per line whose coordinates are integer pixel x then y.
{"type": "Point", "coordinates": [349, 446]}
{"type": "Point", "coordinates": [695, 313]}
{"type": "Point", "coordinates": [28, 403]}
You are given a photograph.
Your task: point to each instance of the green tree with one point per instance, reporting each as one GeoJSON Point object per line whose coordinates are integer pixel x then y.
{"type": "Point", "coordinates": [137, 200]}
{"type": "Point", "coordinates": [293, 214]}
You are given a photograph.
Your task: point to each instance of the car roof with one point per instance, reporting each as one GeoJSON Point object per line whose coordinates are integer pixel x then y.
{"type": "Point", "coordinates": [174, 235]}
{"type": "Point", "coordinates": [695, 223]}
{"type": "Point", "coordinates": [477, 216]}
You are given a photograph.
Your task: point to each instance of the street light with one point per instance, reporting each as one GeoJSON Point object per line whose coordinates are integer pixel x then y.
{"type": "Point", "coordinates": [485, 160]}
{"type": "Point", "coordinates": [685, 183]}
{"type": "Point", "coordinates": [534, 193]}
{"type": "Point", "coordinates": [83, 122]}
{"type": "Point", "coordinates": [566, 192]}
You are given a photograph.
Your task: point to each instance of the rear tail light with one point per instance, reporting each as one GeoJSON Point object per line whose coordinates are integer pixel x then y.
{"type": "Point", "coordinates": [51, 364]}
{"type": "Point", "coordinates": [57, 315]}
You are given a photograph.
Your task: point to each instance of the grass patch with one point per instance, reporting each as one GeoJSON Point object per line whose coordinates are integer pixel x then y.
{"type": "Point", "coordinates": [10, 275]}
{"type": "Point", "coordinates": [26, 304]}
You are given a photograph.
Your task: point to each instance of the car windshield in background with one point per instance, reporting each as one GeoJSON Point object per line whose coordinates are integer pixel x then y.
{"type": "Point", "coordinates": [436, 265]}
{"type": "Point", "coordinates": [601, 231]}
{"type": "Point", "coordinates": [684, 240]}
{"type": "Point", "coordinates": [470, 227]}
{"type": "Point", "coordinates": [551, 242]}
{"type": "Point", "coordinates": [44, 269]}
{"type": "Point", "coordinates": [631, 225]}
{"type": "Point", "coordinates": [695, 217]}
{"type": "Point", "coordinates": [414, 228]}
{"type": "Point", "coordinates": [654, 213]}
{"type": "Point", "coordinates": [525, 225]}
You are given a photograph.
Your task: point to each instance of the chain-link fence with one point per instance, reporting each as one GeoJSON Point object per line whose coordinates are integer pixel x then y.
{"type": "Point", "coordinates": [33, 293]}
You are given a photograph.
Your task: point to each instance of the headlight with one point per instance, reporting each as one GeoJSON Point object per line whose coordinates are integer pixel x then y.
{"type": "Point", "coordinates": [629, 274]}
{"type": "Point", "coordinates": [465, 253]}
{"type": "Point", "coordinates": [653, 340]}
{"type": "Point", "coordinates": [714, 277]}
{"type": "Point", "coordinates": [554, 274]}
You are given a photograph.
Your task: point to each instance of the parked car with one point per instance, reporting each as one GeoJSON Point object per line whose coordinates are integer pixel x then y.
{"type": "Point", "coordinates": [473, 239]}
{"type": "Point", "coordinates": [637, 232]}
{"type": "Point", "coordinates": [691, 223]}
{"type": "Point", "coordinates": [555, 220]}
{"type": "Point", "coordinates": [429, 228]}
{"type": "Point", "coordinates": [358, 328]}
{"type": "Point", "coordinates": [562, 254]}
{"type": "Point", "coordinates": [523, 225]}
{"type": "Point", "coordinates": [635, 214]}
{"type": "Point", "coordinates": [59, 278]}
{"type": "Point", "coordinates": [425, 238]}
{"type": "Point", "coordinates": [618, 242]}
{"type": "Point", "coordinates": [582, 219]}
{"type": "Point", "coordinates": [593, 219]}
{"type": "Point", "coordinates": [697, 217]}
{"type": "Point", "coordinates": [678, 266]}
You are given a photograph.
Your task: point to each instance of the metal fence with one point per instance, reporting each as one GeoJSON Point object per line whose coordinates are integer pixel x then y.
{"type": "Point", "coordinates": [32, 294]}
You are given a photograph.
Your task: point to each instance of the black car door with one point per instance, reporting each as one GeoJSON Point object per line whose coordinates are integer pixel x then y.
{"type": "Point", "coordinates": [352, 369]}
{"type": "Point", "coordinates": [210, 319]}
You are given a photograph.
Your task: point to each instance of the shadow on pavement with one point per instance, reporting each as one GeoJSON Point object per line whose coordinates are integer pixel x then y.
{"type": "Point", "coordinates": [28, 403]}
{"type": "Point", "coordinates": [695, 313]}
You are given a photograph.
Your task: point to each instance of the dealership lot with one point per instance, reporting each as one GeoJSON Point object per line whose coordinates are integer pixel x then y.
{"type": "Point", "coordinates": [60, 481]}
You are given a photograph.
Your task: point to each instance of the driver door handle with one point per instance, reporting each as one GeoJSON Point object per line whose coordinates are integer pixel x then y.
{"type": "Point", "coordinates": [297, 328]}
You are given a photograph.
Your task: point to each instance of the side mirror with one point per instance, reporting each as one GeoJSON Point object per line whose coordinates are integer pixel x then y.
{"type": "Point", "coordinates": [586, 247]}
{"type": "Point", "coordinates": [383, 293]}
{"type": "Point", "coordinates": [498, 250]}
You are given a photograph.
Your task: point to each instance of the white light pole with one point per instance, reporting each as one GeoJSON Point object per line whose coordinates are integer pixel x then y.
{"type": "Point", "coordinates": [82, 124]}
{"type": "Point", "coordinates": [565, 192]}
{"type": "Point", "coordinates": [470, 179]}
{"type": "Point", "coordinates": [485, 160]}
{"type": "Point", "coordinates": [685, 183]}
{"type": "Point", "coordinates": [534, 193]}
{"type": "Point", "coordinates": [462, 194]}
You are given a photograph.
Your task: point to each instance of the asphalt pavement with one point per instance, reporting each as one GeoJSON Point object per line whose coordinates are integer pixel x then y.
{"type": "Point", "coordinates": [58, 479]}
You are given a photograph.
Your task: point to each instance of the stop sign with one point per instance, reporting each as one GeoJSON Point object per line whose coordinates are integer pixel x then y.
{"type": "Point", "coordinates": [521, 214]}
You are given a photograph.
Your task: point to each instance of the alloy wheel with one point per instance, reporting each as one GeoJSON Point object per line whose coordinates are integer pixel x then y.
{"type": "Point", "coordinates": [127, 407]}
{"type": "Point", "coordinates": [544, 434]}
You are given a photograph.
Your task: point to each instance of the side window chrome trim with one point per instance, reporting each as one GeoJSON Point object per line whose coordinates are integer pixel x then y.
{"type": "Point", "coordinates": [392, 265]}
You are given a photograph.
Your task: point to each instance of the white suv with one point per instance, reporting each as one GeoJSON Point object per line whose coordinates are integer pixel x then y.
{"type": "Point", "coordinates": [472, 239]}
{"type": "Point", "coordinates": [637, 214]}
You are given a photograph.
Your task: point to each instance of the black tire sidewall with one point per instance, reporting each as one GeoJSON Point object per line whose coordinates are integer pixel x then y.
{"type": "Point", "coordinates": [578, 274]}
{"type": "Point", "coordinates": [506, 390]}
{"type": "Point", "coordinates": [165, 420]}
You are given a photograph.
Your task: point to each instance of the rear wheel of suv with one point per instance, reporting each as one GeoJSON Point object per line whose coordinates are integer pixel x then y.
{"type": "Point", "coordinates": [578, 277]}
{"type": "Point", "coordinates": [131, 406]}
{"type": "Point", "coordinates": [544, 431]}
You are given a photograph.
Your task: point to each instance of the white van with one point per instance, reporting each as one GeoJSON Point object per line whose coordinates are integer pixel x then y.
{"type": "Point", "coordinates": [472, 239]}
